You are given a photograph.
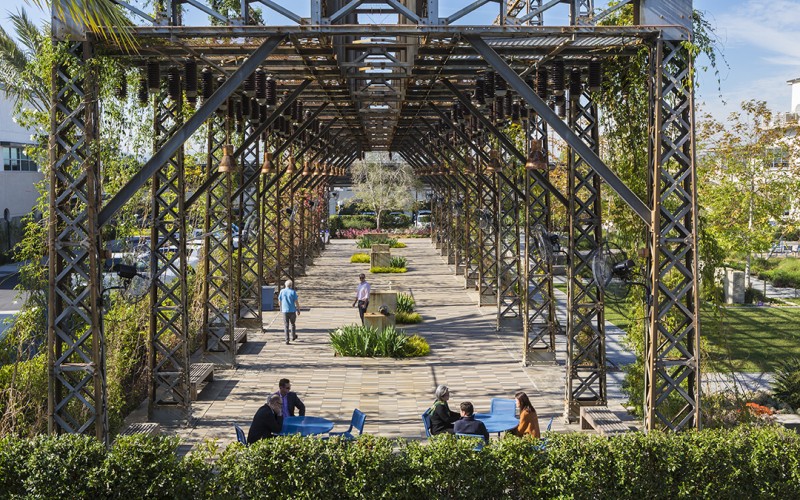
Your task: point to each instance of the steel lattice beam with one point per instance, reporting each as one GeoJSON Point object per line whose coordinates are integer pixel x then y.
{"type": "Point", "coordinates": [509, 304]}
{"type": "Point", "coordinates": [586, 370]}
{"type": "Point", "coordinates": [168, 356]}
{"type": "Point", "coordinates": [540, 327]}
{"type": "Point", "coordinates": [218, 282]}
{"type": "Point", "coordinates": [248, 310]}
{"type": "Point", "coordinates": [76, 360]}
{"type": "Point", "coordinates": [672, 379]}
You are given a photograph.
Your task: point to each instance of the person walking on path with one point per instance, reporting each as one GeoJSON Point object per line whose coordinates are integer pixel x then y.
{"type": "Point", "coordinates": [362, 296]}
{"type": "Point", "coordinates": [290, 308]}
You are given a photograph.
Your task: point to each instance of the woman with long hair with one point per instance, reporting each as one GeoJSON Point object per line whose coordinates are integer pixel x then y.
{"type": "Point", "coordinates": [441, 417]}
{"type": "Point", "coordinates": [528, 420]}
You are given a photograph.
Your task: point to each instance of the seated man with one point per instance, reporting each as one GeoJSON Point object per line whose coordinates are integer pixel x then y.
{"type": "Point", "coordinates": [267, 421]}
{"type": "Point", "coordinates": [468, 424]}
{"type": "Point", "coordinates": [289, 400]}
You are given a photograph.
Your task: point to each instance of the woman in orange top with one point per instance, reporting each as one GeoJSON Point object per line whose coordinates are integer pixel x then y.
{"type": "Point", "coordinates": [528, 420]}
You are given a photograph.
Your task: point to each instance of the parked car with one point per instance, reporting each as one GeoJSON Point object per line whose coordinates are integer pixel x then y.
{"type": "Point", "coordinates": [423, 219]}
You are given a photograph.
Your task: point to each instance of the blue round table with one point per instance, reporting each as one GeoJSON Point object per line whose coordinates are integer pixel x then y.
{"type": "Point", "coordinates": [497, 423]}
{"type": "Point", "coordinates": [306, 426]}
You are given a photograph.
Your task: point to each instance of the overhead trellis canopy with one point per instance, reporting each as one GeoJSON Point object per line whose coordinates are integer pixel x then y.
{"type": "Point", "coordinates": [289, 108]}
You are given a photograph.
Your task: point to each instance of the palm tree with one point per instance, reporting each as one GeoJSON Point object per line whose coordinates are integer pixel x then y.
{"type": "Point", "coordinates": [104, 18]}
{"type": "Point", "coordinates": [18, 75]}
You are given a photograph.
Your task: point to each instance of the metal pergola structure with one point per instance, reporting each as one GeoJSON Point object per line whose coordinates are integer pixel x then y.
{"type": "Point", "coordinates": [302, 102]}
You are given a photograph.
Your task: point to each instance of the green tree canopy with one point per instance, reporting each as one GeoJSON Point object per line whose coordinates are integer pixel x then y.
{"type": "Point", "coordinates": [383, 185]}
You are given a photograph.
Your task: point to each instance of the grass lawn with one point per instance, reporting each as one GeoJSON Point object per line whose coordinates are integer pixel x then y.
{"type": "Point", "coordinates": [743, 338]}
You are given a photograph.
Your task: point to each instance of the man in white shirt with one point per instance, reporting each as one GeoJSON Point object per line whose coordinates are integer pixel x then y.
{"type": "Point", "coordinates": [362, 296]}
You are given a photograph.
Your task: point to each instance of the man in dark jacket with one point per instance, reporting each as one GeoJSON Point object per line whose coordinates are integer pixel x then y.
{"type": "Point", "coordinates": [468, 424]}
{"type": "Point", "coordinates": [289, 399]}
{"type": "Point", "coordinates": [267, 421]}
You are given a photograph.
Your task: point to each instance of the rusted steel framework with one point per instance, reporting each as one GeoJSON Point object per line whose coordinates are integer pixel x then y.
{"type": "Point", "coordinates": [219, 277]}
{"type": "Point", "coordinates": [672, 388]}
{"type": "Point", "coordinates": [76, 359]}
{"type": "Point", "coordinates": [249, 202]}
{"type": "Point", "coordinates": [440, 95]}
{"type": "Point", "coordinates": [168, 356]}
{"type": "Point", "coordinates": [585, 377]}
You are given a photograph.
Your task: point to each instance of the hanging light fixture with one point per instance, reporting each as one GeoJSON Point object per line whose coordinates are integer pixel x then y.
{"type": "Point", "coordinates": [227, 164]}
{"type": "Point", "coordinates": [290, 166]}
{"type": "Point", "coordinates": [306, 168]}
{"type": "Point", "coordinates": [266, 167]}
{"type": "Point", "coordinates": [537, 159]}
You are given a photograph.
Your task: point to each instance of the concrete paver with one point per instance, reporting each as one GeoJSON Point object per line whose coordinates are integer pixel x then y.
{"type": "Point", "coordinates": [467, 354]}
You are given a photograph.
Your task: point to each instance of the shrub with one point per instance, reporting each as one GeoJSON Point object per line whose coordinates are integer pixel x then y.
{"type": "Point", "coordinates": [785, 274]}
{"type": "Point", "coordinates": [404, 318]}
{"type": "Point", "coordinates": [378, 270]}
{"type": "Point", "coordinates": [359, 258]}
{"type": "Point", "coordinates": [398, 262]}
{"type": "Point", "coordinates": [398, 244]}
{"type": "Point", "coordinates": [365, 341]}
{"type": "Point", "coordinates": [744, 462]}
{"type": "Point", "coordinates": [367, 241]}
{"type": "Point", "coordinates": [405, 303]}
{"type": "Point", "coordinates": [352, 234]}
{"type": "Point", "coordinates": [417, 346]}
{"type": "Point", "coordinates": [786, 383]}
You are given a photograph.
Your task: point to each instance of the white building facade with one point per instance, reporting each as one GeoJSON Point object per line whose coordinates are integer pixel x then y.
{"type": "Point", "coordinates": [18, 173]}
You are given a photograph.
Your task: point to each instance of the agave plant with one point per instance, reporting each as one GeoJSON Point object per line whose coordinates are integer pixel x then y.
{"type": "Point", "coordinates": [398, 262]}
{"type": "Point", "coordinates": [786, 384]}
{"type": "Point", "coordinates": [405, 303]}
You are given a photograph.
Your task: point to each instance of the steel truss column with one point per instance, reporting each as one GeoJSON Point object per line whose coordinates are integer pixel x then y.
{"type": "Point", "coordinates": [585, 375]}
{"type": "Point", "coordinates": [219, 294]}
{"type": "Point", "coordinates": [447, 220]}
{"type": "Point", "coordinates": [249, 278]}
{"type": "Point", "coordinates": [672, 378]}
{"type": "Point", "coordinates": [509, 303]}
{"type": "Point", "coordinates": [472, 234]}
{"type": "Point", "coordinates": [169, 320]}
{"type": "Point", "coordinates": [488, 229]}
{"type": "Point", "coordinates": [271, 231]}
{"type": "Point", "coordinates": [461, 240]}
{"type": "Point", "coordinates": [285, 207]}
{"type": "Point", "coordinates": [76, 348]}
{"type": "Point", "coordinates": [301, 240]}
{"type": "Point", "coordinates": [539, 308]}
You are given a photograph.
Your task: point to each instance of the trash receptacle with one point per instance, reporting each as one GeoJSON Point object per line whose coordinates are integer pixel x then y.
{"type": "Point", "coordinates": [267, 298]}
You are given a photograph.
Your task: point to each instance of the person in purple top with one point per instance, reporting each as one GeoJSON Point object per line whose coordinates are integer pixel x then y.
{"type": "Point", "coordinates": [290, 308]}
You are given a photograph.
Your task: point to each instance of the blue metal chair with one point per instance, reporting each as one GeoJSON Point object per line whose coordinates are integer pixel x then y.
{"type": "Point", "coordinates": [501, 406]}
{"type": "Point", "coordinates": [240, 435]}
{"type": "Point", "coordinates": [543, 444]}
{"type": "Point", "coordinates": [357, 422]}
{"type": "Point", "coordinates": [479, 446]}
{"type": "Point", "coordinates": [550, 424]}
{"type": "Point", "coordinates": [426, 421]}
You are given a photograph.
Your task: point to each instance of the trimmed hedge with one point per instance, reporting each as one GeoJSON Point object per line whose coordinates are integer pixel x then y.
{"type": "Point", "coordinates": [745, 462]}
{"type": "Point", "coordinates": [360, 258]}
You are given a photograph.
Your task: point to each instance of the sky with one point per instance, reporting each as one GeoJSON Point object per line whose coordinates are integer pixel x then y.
{"type": "Point", "coordinates": [759, 40]}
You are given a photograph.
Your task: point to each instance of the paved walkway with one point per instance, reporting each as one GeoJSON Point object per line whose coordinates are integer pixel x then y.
{"type": "Point", "coordinates": [467, 354]}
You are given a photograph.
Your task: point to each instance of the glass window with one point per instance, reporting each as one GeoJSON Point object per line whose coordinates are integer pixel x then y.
{"type": "Point", "coordinates": [15, 159]}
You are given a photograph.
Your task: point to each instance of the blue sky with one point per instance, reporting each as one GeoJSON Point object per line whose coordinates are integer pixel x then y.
{"type": "Point", "coordinates": [759, 38]}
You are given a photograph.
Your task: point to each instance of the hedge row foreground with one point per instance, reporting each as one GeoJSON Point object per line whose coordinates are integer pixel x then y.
{"type": "Point", "coordinates": [740, 463]}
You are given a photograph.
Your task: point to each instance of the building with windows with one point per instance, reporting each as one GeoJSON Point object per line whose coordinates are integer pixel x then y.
{"type": "Point", "coordinates": [18, 175]}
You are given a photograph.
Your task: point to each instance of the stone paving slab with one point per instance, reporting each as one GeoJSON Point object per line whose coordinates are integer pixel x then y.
{"type": "Point", "coordinates": [467, 354]}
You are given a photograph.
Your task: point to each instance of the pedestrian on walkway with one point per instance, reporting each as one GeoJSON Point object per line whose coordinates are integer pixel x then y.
{"type": "Point", "coordinates": [289, 400]}
{"type": "Point", "coordinates": [290, 308]}
{"type": "Point", "coordinates": [362, 296]}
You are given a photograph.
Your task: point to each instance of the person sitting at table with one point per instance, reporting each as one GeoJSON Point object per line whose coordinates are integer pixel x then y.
{"type": "Point", "coordinates": [468, 424]}
{"type": "Point", "coordinates": [528, 420]}
{"type": "Point", "coordinates": [289, 399]}
{"type": "Point", "coordinates": [267, 421]}
{"type": "Point", "coordinates": [442, 418]}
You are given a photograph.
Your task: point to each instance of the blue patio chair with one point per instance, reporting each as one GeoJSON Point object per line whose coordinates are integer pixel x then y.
{"type": "Point", "coordinates": [357, 422]}
{"type": "Point", "coordinates": [240, 435]}
{"type": "Point", "coordinates": [543, 441]}
{"type": "Point", "coordinates": [502, 406]}
{"type": "Point", "coordinates": [478, 446]}
{"type": "Point", "coordinates": [426, 421]}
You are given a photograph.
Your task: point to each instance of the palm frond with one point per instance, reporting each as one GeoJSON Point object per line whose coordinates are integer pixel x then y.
{"type": "Point", "coordinates": [29, 35]}
{"type": "Point", "coordinates": [101, 17]}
